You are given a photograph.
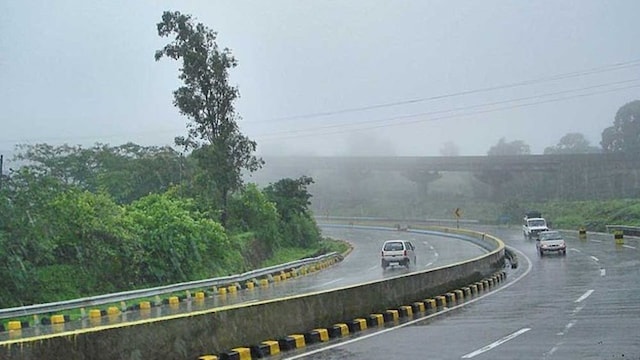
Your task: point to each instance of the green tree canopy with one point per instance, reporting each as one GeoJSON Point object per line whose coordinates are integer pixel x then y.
{"type": "Point", "coordinates": [292, 200]}
{"type": "Point", "coordinates": [572, 143]}
{"type": "Point", "coordinates": [126, 172]}
{"type": "Point", "coordinates": [624, 135]}
{"type": "Point", "coordinates": [207, 100]}
{"type": "Point", "coordinates": [251, 210]}
{"type": "Point", "coordinates": [291, 196]}
{"type": "Point", "coordinates": [178, 242]}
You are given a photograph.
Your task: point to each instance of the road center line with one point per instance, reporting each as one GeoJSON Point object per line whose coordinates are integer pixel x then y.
{"type": "Point", "coordinates": [598, 241]}
{"type": "Point", "coordinates": [555, 348]}
{"type": "Point", "coordinates": [629, 247]}
{"type": "Point", "coordinates": [595, 258]}
{"type": "Point", "coordinates": [567, 327]}
{"type": "Point", "coordinates": [577, 310]}
{"type": "Point", "coordinates": [584, 296]}
{"type": "Point", "coordinates": [327, 283]}
{"type": "Point", "coordinates": [497, 343]}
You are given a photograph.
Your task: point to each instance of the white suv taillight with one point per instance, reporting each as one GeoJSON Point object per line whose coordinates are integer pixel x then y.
{"type": "Point", "coordinates": [405, 253]}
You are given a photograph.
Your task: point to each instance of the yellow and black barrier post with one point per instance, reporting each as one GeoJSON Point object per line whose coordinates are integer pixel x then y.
{"type": "Point", "coordinates": [582, 233]}
{"type": "Point", "coordinates": [618, 235]}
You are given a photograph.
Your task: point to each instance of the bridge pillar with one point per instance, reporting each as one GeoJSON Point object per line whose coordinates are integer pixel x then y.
{"type": "Point", "coordinates": [422, 178]}
{"type": "Point", "coordinates": [495, 178]}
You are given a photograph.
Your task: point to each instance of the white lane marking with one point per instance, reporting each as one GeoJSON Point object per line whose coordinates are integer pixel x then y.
{"type": "Point", "coordinates": [373, 268]}
{"type": "Point", "coordinates": [595, 258]}
{"type": "Point", "coordinates": [567, 327]}
{"type": "Point", "coordinates": [328, 282]}
{"type": "Point", "coordinates": [409, 323]}
{"type": "Point", "coordinates": [577, 310]}
{"type": "Point", "coordinates": [598, 241]}
{"type": "Point", "coordinates": [584, 296]}
{"type": "Point", "coordinates": [570, 325]}
{"type": "Point", "coordinates": [603, 272]}
{"type": "Point", "coordinates": [574, 249]}
{"type": "Point", "coordinates": [435, 253]}
{"type": "Point", "coordinates": [497, 343]}
{"type": "Point", "coordinates": [555, 348]}
{"type": "Point", "coordinates": [629, 247]}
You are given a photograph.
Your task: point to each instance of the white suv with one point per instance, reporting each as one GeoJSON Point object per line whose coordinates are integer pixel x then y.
{"type": "Point", "coordinates": [531, 227]}
{"type": "Point", "coordinates": [401, 252]}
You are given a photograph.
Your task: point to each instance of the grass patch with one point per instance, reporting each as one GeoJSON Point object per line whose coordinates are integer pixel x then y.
{"type": "Point", "coordinates": [285, 255]}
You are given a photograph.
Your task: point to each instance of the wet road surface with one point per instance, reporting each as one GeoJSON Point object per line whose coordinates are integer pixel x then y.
{"type": "Point", "coordinates": [584, 305]}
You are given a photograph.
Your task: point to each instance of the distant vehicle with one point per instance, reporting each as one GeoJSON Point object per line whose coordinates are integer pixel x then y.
{"type": "Point", "coordinates": [400, 252]}
{"type": "Point", "coordinates": [532, 224]}
{"type": "Point", "coordinates": [551, 241]}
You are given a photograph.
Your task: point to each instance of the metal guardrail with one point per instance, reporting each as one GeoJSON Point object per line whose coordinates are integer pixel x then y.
{"type": "Point", "coordinates": [150, 292]}
{"type": "Point", "coordinates": [626, 230]}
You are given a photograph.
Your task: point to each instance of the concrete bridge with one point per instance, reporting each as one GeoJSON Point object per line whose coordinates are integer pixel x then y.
{"type": "Point", "coordinates": [517, 163]}
{"type": "Point", "coordinates": [566, 176]}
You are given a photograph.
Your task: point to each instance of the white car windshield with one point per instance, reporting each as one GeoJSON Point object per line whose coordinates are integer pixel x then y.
{"type": "Point", "coordinates": [393, 246]}
{"type": "Point", "coordinates": [551, 236]}
{"type": "Point", "coordinates": [536, 223]}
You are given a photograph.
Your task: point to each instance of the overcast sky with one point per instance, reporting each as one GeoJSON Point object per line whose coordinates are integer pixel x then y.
{"type": "Point", "coordinates": [326, 77]}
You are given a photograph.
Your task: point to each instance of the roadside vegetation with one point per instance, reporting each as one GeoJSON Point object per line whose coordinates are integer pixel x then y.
{"type": "Point", "coordinates": [67, 231]}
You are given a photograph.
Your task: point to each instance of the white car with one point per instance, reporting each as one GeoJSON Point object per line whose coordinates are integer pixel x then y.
{"type": "Point", "coordinates": [551, 241]}
{"type": "Point", "coordinates": [400, 252]}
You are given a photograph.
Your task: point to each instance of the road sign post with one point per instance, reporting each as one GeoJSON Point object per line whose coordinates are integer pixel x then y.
{"type": "Point", "coordinates": [458, 214]}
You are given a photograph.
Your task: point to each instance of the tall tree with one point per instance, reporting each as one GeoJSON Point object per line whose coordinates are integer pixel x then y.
{"type": "Point", "coordinates": [572, 143]}
{"type": "Point", "coordinates": [624, 135]}
{"type": "Point", "coordinates": [292, 200]}
{"type": "Point", "coordinates": [207, 100]}
{"type": "Point", "coordinates": [291, 196]}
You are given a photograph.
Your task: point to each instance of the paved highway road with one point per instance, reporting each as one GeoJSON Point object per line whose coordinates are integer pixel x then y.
{"type": "Point", "coordinates": [582, 306]}
{"type": "Point", "coordinates": [363, 264]}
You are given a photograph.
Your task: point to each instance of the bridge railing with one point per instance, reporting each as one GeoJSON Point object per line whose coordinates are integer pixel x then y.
{"type": "Point", "coordinates": [155, 291]}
